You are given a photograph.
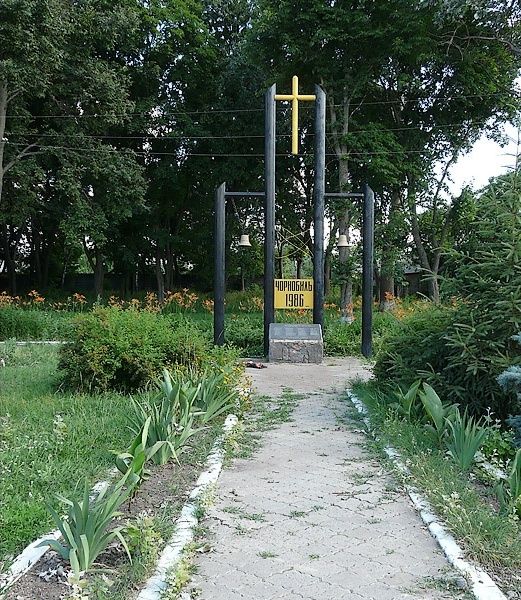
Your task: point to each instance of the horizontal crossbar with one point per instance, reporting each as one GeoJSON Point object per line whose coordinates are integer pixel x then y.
{"type": "Point", "coordinates": [344, 195]}
{"type": "Point", "coordinates": [244, 193]}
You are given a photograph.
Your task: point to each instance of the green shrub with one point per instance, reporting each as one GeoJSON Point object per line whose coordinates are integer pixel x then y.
{"type": "Point", "coordinates": [465, 437]}
{"type": "Point", "coordinates": [415, 345]}
{"type": "Point", "coordinates": [24, 324]}
{"type": "Point", "coordinates": [125, 349]}
{"type": "Point", "coordinates": [462, 351]}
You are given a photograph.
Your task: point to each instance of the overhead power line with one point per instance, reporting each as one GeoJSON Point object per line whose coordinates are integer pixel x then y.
{"type": "Point", "coordinates": [209, 154]}
{"type": "Point", "coordinates": [246, 110]}
{"type": "Point", "coordinates": [424, 128]}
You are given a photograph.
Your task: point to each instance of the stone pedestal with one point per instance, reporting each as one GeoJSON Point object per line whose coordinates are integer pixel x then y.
{"type": "Point", "coordinates": [295, 343]}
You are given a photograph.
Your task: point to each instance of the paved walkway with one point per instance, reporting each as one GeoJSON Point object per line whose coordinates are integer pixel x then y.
{"type": "Point", "coordinates": [312, 515]}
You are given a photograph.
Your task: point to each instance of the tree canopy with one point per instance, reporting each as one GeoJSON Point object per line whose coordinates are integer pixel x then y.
{"type": "Point", "coordinates": [118, 120]}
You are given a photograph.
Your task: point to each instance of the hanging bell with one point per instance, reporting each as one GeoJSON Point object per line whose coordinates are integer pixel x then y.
{"type": "Point", "coordinates": [342, 241]}
{"type": "Point", "coordinates": [244, 242]}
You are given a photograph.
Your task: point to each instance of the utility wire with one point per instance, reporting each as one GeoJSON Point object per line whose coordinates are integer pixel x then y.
{"type": "Point", "coordinates": [244, 110]}
{"type": "Point", "coordinates": [180, 137]}
{"type": "Point", "coordinates": [139, 114]}
{"type": "Point", "coordinates": [207, 154]}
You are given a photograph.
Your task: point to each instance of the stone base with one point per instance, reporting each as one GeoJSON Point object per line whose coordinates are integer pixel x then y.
{"type": "Point", "coordinates": [294, 343]}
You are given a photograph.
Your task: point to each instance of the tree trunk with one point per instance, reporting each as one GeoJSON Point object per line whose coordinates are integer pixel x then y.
{"type": "Point", "coordinates": [160, 279]}
{"type": "Point", "coordinates": [434, 291]}
{"type": "Point", "coordinates": [393, 236]}
{"type": "Point", "coordinates": [327, 274]}
{"type": "Point", "coordinates": [46, 259]}
{"type": "Point", "coordinates": [169, 267]}
{"type": "Point", "coordinates": [99, 273]}
{"type": "Point", "coordinates": [64, 268]}
{"type": "Point", "coordinates": [386, 291]}
{"type": "Point", "coordinates": [346, 301]}
{"type": "Point", "coordinates": [298, 264]}
{"type": "Point", "coordinates": [10, 260]}
{"type": "Point", "coordinates": [280, 269]}
{"type": "Point", "coordinates": [3, 119]}
{"type": "Point", "coordinates": [340, 129]}
{"type": "Point", "coordinates": [329, 256]}
{"type": "Point", "coordinates": [279, 262]}
{"type": "Point", "coordinates": [36, 256]}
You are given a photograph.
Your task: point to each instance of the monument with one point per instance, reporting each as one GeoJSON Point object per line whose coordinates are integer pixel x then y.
{"type": "Point", "coordinates": [294, 343]}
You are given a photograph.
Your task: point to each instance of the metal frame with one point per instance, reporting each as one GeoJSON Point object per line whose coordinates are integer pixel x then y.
{"type": "Point", "coordinates": [220, 258]}
{"type": "Point", "coordinates": [269, 212]}
{"type": "Point", "coordinates": [319, 196]}
{"type": "Point", "coordinates": [367, 262]}
{"type": "Point", "coordinates": [319, 189]}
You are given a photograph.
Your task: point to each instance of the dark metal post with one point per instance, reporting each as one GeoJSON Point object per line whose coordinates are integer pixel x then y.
{"type": "Point", "coordinates": [367, 271]}
{"type": "Point", "coordinates": [318, 206]}
{"type": "Point", "coordinates": [269, 212]}
{"type": "Point", "coordinates": [219, 265]}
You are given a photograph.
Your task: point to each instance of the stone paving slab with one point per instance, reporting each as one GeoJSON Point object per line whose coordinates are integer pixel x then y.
{"type": "Point", "coordinates": [313, 515]}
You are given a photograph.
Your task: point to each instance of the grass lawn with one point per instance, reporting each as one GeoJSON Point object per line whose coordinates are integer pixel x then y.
{"type": "Point", "coordinates": [49, 442]}
{"type": "Point", "coordinates": [466, 503]}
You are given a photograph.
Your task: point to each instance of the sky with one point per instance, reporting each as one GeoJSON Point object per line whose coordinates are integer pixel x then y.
{"type": "Point", "coordinates": [486, 159]}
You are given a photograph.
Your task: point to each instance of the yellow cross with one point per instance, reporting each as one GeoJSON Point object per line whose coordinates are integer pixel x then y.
{"type": "Point", "coordinates": [294, 97]}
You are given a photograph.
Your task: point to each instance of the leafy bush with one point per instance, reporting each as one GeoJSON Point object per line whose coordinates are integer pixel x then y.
{"type": "Point", "coordinates": [407, 403]}
{"type": "Point", "coordinates": [510, 382]}
{"type": "Point", "coordinates": [167, 418]}
{"type": "Point", "coordinates": [515, 423]}
{"type": "Point", "coordinates": [438, 414]}
{"type": "Point", "coordinates": [461, 351]}
{"type": "Point", "coordinates": [416, 345]}
{"type": "Point", "coordinates": [499, 445]}
{"type": "Point", "coordinates": [33, 324]}
{"type": "Point", "coordinates": [132, 462]}
{"type": "Point", "coordinates": [125, 349]}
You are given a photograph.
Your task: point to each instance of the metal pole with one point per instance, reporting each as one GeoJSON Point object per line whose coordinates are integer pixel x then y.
{"type": "Point", "coordinates": [219, 265]}
{"type": "Point", "coordinates": [367, 271]}
{"type": "Point", "coordinates": [269, 212]}
{"type": "Point", "coordinates": [318, 207]}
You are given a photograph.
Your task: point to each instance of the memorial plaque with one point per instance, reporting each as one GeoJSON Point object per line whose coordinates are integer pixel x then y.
{"type": "Point", "coordinates": [293, 294]}
{"type": "Point", "coordinates": [296, 343]}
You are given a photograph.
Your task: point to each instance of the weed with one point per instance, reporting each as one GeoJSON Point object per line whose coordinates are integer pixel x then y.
{"type": "Point", "coordinates": [297, 514]}
{"type": "Point", "coordinates": [267, 554]}
{"type": "Point", "coordinates": [509, 490]}
{"type": "Point", "coordinates": [236, 510]}
{"type": "Point", "coordinates": [180, 576]}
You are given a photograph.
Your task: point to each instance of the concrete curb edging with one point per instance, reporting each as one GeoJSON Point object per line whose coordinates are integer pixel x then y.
{"type": "Point", "coordinates": [482, 585]}
{"type": "Point", "coordinates": [37, 343]}
{"type": "Point", "coordinates": [187, 520]}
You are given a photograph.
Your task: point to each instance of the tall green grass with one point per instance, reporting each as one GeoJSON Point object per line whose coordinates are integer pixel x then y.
{"type": "Point", "coordinates": [49, 441]}
{"type": "Point", "coordinates": [24, 324]}
{"type": "Point", "coordinates": [243, 329]}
